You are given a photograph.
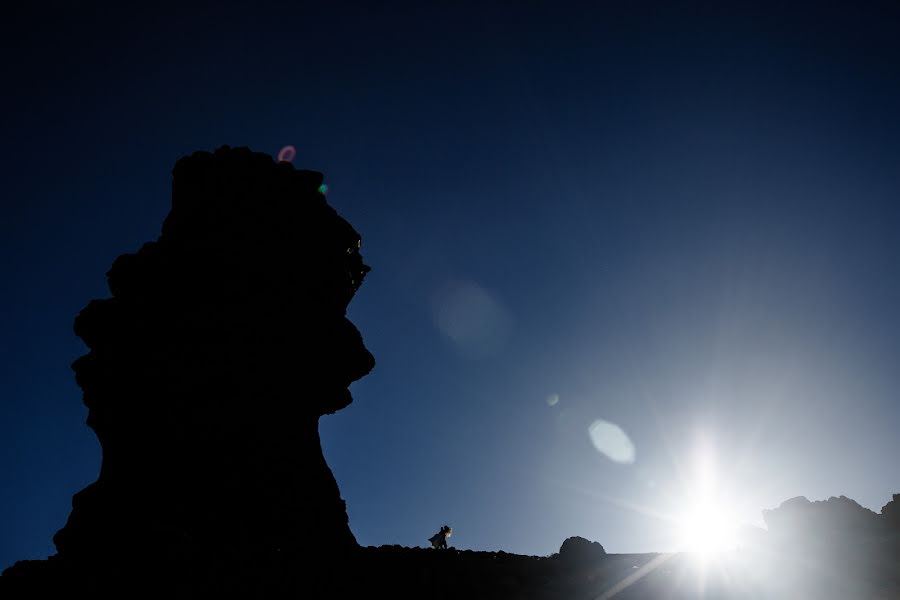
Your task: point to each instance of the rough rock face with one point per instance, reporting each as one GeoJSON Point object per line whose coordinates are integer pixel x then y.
{"type": "Point", "coordinates": [223, 343]}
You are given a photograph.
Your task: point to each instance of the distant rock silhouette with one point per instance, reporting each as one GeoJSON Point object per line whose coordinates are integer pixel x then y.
{"type": "Point", "coordinates": [578, 551]}
{"type": "Point", "coordinates": [834, 548]}
{"type": "Point", "coordinates": [827, 523]}
{"type": "Point", "coordinates": [799, 521]}
{"type": "Point", "coordinates": [891, 513]}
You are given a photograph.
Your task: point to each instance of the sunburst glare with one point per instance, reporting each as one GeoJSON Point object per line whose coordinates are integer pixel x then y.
{"type": "Point", "coordinates": [707, 528]}
{"type": "Point", "coordinates": [706, 522]}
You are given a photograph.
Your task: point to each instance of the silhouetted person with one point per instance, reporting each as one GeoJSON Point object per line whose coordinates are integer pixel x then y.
{"type": "Point", "coordinates": [439, 540]}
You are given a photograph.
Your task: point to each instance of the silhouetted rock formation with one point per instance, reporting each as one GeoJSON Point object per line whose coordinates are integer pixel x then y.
{"type": "Point", "coordinates": [801, 522]}
{"type": "Point", "coordinates": [891, 513]}
{"type": "Point", "coordinates": [829, 523]}
{"type": "Point", "coordinates": [834, 548]}
{"type": "Point", "coordinates": [223, 343]}
{"type": "Point", "coordinates": [578, 551]}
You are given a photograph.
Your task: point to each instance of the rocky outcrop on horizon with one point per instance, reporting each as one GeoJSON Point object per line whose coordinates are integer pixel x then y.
{"type": "Point", "coordinates": [891, 512]}
{"type": "Point", "coordinates": [832, 523]}
{"type": "Point", "coordinates": [579, 551]}
{"type": "Point", "coordinates": [832, 548]}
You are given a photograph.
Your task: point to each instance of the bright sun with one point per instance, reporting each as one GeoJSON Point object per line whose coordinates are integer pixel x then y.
{"type": "Point", "coordinates": [707, 528]}
{"type": "Point", "coordinates": [706, 520]}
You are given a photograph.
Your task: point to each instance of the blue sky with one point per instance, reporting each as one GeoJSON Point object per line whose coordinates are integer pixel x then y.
{"type": "Point", "coordinates": [680, 221]}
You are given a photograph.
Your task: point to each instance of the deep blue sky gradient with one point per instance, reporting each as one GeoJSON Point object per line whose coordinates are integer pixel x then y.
{"type": "Point", "coordinates": [679, 218]}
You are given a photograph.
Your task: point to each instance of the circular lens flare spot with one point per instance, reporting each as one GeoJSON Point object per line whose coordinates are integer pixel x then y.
{"type": "Point", "coordinates": [472, 318]}
{"type": "Point", "coordinates": [611, 440]}
{"type": "Point", "coordinates": [323, 189]}
{"type": "Point", "coordinates": [287, 154]}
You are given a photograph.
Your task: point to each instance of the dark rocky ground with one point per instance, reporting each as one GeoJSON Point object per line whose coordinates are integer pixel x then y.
{"type": "Point", "coordinates": [213, 483]}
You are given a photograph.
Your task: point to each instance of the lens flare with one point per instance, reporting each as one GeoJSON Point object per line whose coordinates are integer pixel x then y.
{"type": "Point", "coordinates": [612, 441]}
{"type": "Point", "coordinates": [287, 154]}
{"type": "Point", "coordinates": [476, 322]}
{"type": "Point", "coordinates": [323, 189]}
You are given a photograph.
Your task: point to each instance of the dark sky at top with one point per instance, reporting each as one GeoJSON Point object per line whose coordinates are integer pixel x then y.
{"type": "Point", "coordinates": [619, 252]}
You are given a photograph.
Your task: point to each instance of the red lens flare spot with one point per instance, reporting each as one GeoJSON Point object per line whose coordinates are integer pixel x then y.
{"type": "Point", "coordinates": [287, 154]}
